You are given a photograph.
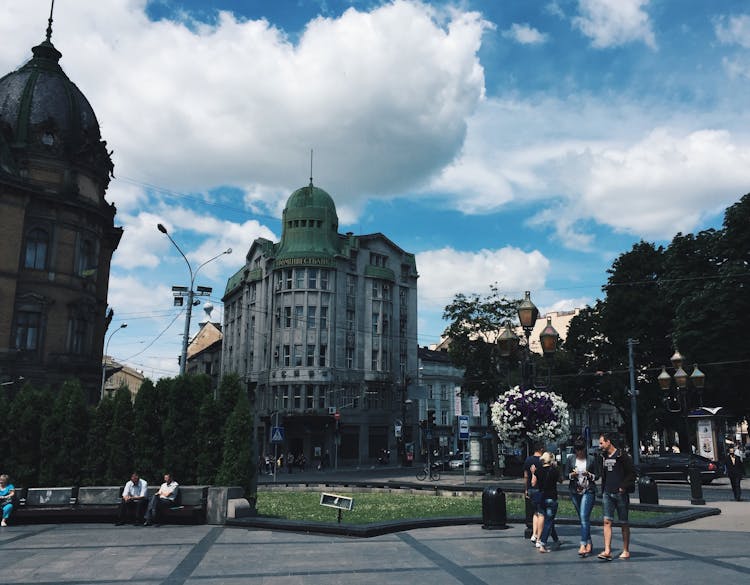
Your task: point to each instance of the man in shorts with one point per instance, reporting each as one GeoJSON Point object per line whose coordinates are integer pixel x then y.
{"type": "Point", "coordinates": [618, 481]}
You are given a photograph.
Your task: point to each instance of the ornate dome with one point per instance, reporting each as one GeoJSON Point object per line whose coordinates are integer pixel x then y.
{"type": "Point", "coordinates": [44, 115]}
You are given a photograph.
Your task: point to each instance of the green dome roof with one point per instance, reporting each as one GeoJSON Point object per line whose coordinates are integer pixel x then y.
{"type": "Point", "coordinates": [309, 225]}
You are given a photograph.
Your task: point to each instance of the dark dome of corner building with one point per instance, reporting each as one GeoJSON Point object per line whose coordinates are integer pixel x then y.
{"type": "Point", "coordinates": [43, 112]}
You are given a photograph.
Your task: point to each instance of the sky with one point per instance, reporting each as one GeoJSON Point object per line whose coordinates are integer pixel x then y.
{"type": "Point", "coordinates": [519, 142]}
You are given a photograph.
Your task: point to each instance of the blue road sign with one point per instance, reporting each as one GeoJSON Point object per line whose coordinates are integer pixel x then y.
{"type": "Point", "coordinates": [277, 434]}
{"type": "Point", "coordinates": [463, 428]}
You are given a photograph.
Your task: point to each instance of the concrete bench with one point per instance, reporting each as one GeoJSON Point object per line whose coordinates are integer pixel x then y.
{"type": "Point", "coordinates": [44, 503]}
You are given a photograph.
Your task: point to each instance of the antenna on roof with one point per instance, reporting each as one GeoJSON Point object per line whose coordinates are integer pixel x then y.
{"type": "Point", "coordinates": [49, 22]}
{"type": "Point", "coordinates": [311, 166]}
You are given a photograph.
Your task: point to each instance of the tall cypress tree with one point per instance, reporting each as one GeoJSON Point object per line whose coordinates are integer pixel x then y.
{"type": "Point", "coordinates": [96, 445]}
{"type": "Point", "coordinates": [181, 419]}
{"type": "Point", "coordinates": [209, 431]}
{"type": "Point", "coordinates": [24, 424]}
{"type": "Point", "coordinates": [149, 446]}
{"type": "Point", "coordinates": [120, 438]}
{"type": "Point", "coordinates": [238, 466]}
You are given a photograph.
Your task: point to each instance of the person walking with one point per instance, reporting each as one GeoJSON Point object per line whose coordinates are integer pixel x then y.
{"type": "Point", "coordinates": [618, 481]}
{"type": "Point", "coordinates": [735, 471]}
{"type": "Point", "coordinates": [582, 470]}
{"type": "Point", "coordinates": [531, 493]}
{"type": "Point", "coordinates": [545, 479]}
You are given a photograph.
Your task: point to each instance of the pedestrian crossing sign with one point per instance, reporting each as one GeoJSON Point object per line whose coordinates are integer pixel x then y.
{"type": "Point", "coordinates": [277, 434]}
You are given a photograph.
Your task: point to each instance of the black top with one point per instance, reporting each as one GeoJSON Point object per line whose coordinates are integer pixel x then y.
{"type": "Point", "coordinates": [530, 460]}
{"type": "Point", "coordinates": [618, 472]}
{"type": "Point", "coordinates": [546, 480]}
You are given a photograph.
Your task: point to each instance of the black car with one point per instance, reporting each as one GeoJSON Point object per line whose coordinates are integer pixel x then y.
{"type": "Point", "coordinates": [676, 465]}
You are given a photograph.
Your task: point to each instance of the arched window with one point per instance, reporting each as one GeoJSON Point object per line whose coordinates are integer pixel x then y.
{"type": "Point", "coordinates": [37, 242]}
{"type": "Point", "coordinates": [86, 257]}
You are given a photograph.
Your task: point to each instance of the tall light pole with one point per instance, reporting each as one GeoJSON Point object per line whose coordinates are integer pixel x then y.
{"type": "Point", "coordinates": [104, 358]}
{"type": "Point", "coordinates": [191, 293]}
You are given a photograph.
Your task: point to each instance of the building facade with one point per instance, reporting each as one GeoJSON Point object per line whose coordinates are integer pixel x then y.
{"type": "Point", "coordinates": [323, 326]}
{"type": "Point", "coordinates": [58, 230]}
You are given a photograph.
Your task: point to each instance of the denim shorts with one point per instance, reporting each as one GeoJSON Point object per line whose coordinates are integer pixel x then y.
{"type": "Point", "coordinates": [539, 504]}
{"type": "Point", "coordinates": [616, 501]}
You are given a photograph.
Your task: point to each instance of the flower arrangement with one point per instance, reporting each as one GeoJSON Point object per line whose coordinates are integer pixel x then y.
{"type": "Point", "coordinates": [530, 414]}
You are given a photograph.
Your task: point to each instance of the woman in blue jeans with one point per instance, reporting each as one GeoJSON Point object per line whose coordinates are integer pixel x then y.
{"type": "Point", "coordinates": [582, 470]}
{"type": "Point", "coordinates": [545, 479]}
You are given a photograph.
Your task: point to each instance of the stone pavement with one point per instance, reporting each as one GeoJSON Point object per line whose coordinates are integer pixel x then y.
{"type": "Point", "coordinates": [709, 550]}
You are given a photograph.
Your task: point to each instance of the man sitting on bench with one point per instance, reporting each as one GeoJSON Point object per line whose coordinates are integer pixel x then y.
{"type": "Point", "coordinates": [164, 498]}
{"type": "Point", "coordinates": [134, 497]}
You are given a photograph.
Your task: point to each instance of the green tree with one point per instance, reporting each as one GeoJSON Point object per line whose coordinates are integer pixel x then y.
{"type": "Point", "coordinates": [147, 440]}
{"type": "Point", "coordinates": [63, 437]}
{"type": "Point", "coordinates": [209, 449]}
{"type": "Point", "coordinates": [238, 465]}
{"type": "Point", "coordinates": [96, 444]}
{"type": "Point", "coordinates": [119, 443]}
{"type": "Point", "coordinates": [24, 423]}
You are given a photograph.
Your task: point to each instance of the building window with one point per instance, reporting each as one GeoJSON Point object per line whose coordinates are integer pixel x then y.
{"type": "Point", "coordinates": [374, 361]}
{"type": "Point", "coordinates": [349, 320]}
{"type": "Point", "coordinates": [323, 280]}
{"type": "Point", "coordinates": [321, 398]}
{"type": "Point", "coordinates": [37, 242]}
{"type": "Point", "coordinates": [288, 278]}
{"type": "Point", "coordinates": [322, 355]}
{"type": "Point", "coordinates": [287, 356]}
{"type": "Point", "coordinates": [253, 292]}
{"type": "Point", "coordinates": [375, 323]}
{"type": "Point", "coordinates": [378, 259]}
{"type": "Point", "coordinates": [311, 317]}
{"type": "Point", "coordinates": [78, 330]}
{"type": "Point", "coordinates": [375, 289]}
{"type": "Point", "coordinates": [285, 397]}
{"type": "Point", "coordinates": [324, 317]}
{"type": "Point", "coordinates": [299, 316]}
{"type": "Point", "coordinates": [350, 358]}
{"type": "Point", "coordinates": [299, 278]}
{"type": "Point", "coordinates": [287, 317]}
{"type": "Point", "coordinates": [351, 285]}
{"type": "Point", "coordinates": [27, 330]}
{"type": "Point", "coordinates": [297, 396]}
{"type": "Point", "coordinates": [310, 354]}
{"type": "Point", "coordinates": [86, 260]}
{"type": "Point", "coordinates": [297, 355]}
{"type": "Point", "coordinates": [309, 397]}
{"type": "Point", "coordinates": [312, 278]}
{"type": "Point", "coordinates": [404, 271]}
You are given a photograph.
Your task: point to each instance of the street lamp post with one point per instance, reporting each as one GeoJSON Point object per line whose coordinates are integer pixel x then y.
{"type": "Point", "coordinates": [191, 293]}
{"type": "Point", "coordinates": [508, 342]}
{"type": "Point", "coordinates": [677, 401]}
{"type": "Point", "coordinates": [104, 359]}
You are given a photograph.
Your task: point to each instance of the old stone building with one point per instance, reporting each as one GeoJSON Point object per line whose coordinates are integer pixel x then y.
{"type": "Point", "coordinates": [323, 328]}
{"type": "Point", "coordinates": [58, 230]}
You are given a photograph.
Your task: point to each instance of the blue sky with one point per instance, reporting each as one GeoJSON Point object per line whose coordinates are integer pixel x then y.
{"type": "Point", "coordinates": [521, 142]}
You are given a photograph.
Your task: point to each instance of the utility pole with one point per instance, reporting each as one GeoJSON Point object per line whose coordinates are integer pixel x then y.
{"type": "Point", "coordinates": [633, 401]}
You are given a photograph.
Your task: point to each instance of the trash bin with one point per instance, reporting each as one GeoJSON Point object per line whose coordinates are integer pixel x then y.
{"type": "Point", "coordinates": [494, 513]}
{"type": "Point", "coordinates": [648, 491]}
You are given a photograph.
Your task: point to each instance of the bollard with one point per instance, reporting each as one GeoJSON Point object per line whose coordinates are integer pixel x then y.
{"type": "Point", "coordinates": [648, 491]}
{"type": "Point", "coordinates": [494, 512]}
{"type": "Point", "coordinates": [696, 485]}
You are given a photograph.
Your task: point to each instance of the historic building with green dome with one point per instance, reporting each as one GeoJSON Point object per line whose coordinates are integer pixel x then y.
{"type": "Point", "coordinates": [323, 327]}
{"type": "Point", "coordinates": [58, 229]}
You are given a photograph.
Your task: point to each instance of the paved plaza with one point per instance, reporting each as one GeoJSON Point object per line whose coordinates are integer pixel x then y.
{"type": "Point", "coordinates": [708, 550]}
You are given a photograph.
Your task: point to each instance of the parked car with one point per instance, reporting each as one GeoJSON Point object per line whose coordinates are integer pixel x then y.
{"type": "Point", "coordinates": [675, 466]}
{"type": "Point", "coordinates": [457, 460]}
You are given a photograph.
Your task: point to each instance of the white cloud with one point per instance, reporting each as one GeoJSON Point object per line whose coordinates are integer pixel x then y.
{"type": "Point", "coordinates": [733, 30]}
{"type": "Point", "coordinates": [525, 34]}
{"type": "Point", "coordinates": [607, 161]}
{"type": "Point", "coordinates": [445, 272]}
{"type": "Point", "coordinates": [611, 23]}
{"type": "Point", "coordinates": [382, 96]}
{"type": "Point", "coordinates": [736, 68]}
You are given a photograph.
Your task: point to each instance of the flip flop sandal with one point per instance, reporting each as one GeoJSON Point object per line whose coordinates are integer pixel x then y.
{"type": "Point", "coordinates": [604, 557]}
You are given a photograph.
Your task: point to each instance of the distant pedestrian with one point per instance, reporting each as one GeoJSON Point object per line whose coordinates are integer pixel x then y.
{"type": "Point", "coordinates": [735, 471]}
{"type": "Point", "coordinates": [618, 481]}
{"type": "Point", "coordinates": [289, 462]}
{"type": "Point", "coordinates": [7, 493]}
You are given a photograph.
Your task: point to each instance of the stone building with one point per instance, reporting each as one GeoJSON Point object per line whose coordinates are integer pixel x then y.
{"type": "Point", "coordinates": [58, 230]}
{"type": "Point", "coordinates": [323, 328]}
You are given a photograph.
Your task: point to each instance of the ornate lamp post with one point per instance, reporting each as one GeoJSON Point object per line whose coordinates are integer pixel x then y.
{"type": "Point", "coordinates": [676, 400]}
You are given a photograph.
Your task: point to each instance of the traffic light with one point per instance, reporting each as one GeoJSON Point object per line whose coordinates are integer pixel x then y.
{"type": "Point", "coordinates": [430, 419]}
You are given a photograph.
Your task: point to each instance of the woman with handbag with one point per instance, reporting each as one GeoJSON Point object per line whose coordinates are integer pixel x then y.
{"type": "Point", "coordinates": [545, 479]}
{"type": "Point", "coordinates": [582, 470]}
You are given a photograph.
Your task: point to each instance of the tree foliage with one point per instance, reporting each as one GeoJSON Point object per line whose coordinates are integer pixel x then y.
{"type": "Point", "coordinates": [238, 465]}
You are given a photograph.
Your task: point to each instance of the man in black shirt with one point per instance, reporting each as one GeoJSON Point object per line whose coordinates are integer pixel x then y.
{"type": "Point", "coordinates": [618, 481]}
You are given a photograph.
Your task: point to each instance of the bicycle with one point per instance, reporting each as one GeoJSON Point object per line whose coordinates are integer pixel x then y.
{"type": "Point", "coordinates": [433, 472]}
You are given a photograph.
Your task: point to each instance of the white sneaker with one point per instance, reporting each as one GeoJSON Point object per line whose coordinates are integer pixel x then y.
{"type": "Point", "coordinates": [533, 539]}
{"type": "Point", "coordinates": [538, 544]}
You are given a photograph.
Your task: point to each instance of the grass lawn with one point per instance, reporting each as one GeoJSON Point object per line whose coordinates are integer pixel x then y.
{"type": "Point", "coordinates": [383, 507]}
